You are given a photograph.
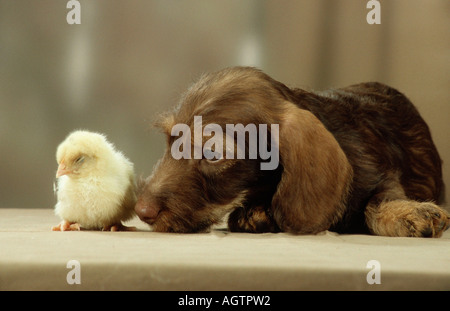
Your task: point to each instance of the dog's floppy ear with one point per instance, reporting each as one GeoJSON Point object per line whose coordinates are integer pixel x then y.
{"type": "Point", "coordinates": [316, 175]}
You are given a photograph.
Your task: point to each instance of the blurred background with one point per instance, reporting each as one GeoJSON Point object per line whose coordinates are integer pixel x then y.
{"type": "Point", "coordinates": [130, 60]}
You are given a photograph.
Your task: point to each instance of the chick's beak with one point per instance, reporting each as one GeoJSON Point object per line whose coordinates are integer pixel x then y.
{"type": "Point", "coordinates": [62, 170]}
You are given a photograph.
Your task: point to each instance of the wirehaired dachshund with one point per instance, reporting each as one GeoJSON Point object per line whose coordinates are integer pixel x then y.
{"type": "Point", "coordinates": [358, 159]}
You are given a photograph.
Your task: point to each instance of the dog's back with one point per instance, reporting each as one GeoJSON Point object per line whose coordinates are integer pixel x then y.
{"type": "Point", "coordinates": [385, 140]}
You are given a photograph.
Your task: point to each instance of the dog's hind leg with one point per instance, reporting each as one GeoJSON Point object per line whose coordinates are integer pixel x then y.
{"type": "Point", "coordinates": [391, 213]}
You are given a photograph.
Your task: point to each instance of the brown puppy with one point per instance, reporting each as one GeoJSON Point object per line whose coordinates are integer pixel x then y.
{"type": "Point", "coordinates": [356, 159]}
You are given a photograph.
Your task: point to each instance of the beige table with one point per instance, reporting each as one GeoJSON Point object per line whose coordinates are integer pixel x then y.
{"type": "Point", "coordinates": [34, 258]}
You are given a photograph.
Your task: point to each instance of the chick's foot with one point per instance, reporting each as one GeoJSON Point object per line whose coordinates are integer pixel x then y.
{"type": "Point", "coordinates": [67, 226]}
{"type": "Point", "coordinates": [118, 227]}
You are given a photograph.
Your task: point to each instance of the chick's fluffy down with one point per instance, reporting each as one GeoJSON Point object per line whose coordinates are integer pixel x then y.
{"type": "Point", "coordinates": [102, 193]}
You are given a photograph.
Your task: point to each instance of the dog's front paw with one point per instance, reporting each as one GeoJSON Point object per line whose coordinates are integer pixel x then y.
{"type": "Point", "coordinates": [406, 218]}
{"type": "Point", "coordinates": [426, 220]}
{"type": "Point", "coordinates": [253, 220]}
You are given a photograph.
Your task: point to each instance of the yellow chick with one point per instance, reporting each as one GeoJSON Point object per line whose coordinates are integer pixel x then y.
{"type": "Point", "coordinates": [95, 186]}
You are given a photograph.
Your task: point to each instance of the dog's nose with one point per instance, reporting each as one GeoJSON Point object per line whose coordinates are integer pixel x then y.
{"type": "Point", "coordinates": [147, 211]}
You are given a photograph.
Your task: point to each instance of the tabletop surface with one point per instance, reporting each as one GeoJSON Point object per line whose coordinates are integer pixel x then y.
{"type": "Point", "coordinates": [33, 257]}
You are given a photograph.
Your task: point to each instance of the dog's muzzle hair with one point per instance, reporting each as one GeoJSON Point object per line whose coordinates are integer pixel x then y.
{"type": "Point", "coordinates": [355, 159]}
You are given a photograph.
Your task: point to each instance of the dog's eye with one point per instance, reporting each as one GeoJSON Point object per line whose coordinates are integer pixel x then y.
{"type": "Point", "coordinates": [212, 156]}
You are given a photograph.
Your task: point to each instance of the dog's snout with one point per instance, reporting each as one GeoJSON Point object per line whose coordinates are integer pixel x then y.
{"type": "Point", "coordinates": [147, 211]}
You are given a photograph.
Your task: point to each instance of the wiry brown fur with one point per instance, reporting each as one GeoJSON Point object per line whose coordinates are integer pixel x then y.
{"type": "Point", "coordinates": [356, 159]}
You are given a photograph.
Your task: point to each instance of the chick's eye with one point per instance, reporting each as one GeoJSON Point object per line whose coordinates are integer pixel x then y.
{"type": "Point", "coordinates": [79, 160]}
